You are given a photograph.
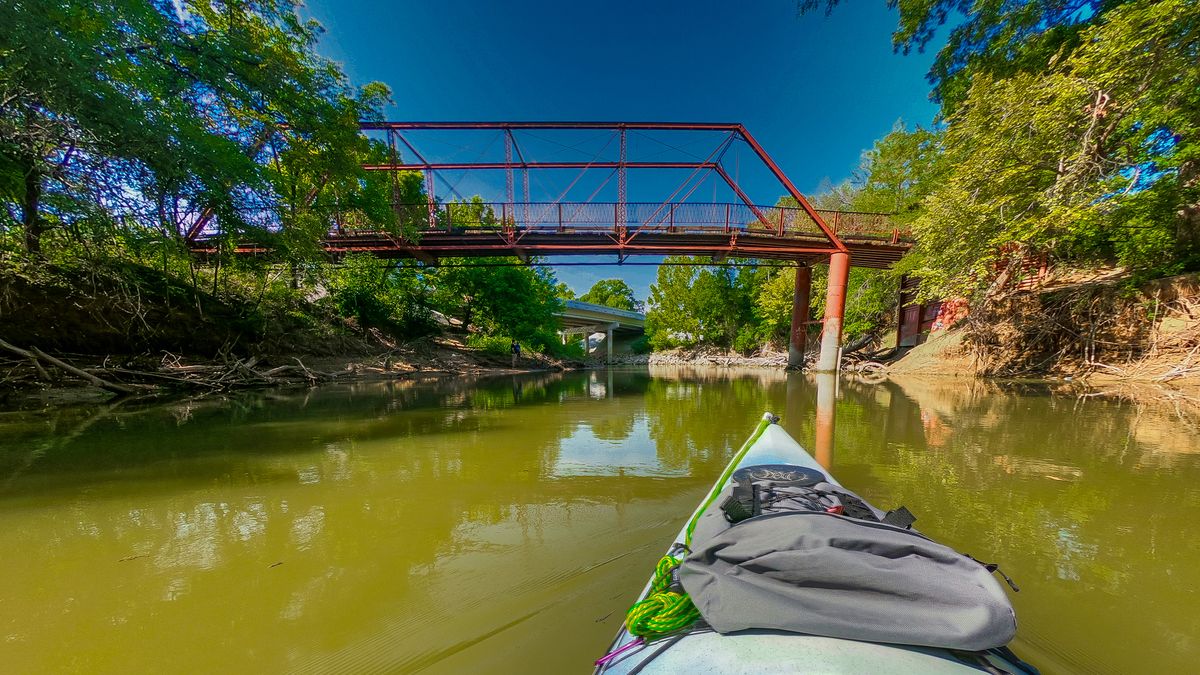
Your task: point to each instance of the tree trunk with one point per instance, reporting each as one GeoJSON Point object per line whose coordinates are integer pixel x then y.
{"type": "Point", "coordinates": [30, 216]}
{"type": "Point", "coordinates": [1187, 224]}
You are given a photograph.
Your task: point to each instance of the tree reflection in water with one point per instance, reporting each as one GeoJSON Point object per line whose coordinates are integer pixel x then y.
{"type": "Point", "coordinates": [454, 524]}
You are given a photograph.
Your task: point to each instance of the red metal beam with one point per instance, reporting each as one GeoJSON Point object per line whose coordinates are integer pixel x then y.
{"type": "Point", "coordinates": [787, 184]}
{"type": "Point", "coordinates": [644, 126]}
{"type": "Point", "coordinates": [466, 249]}
{"type": "Point", "coordinates": [463, 166]}
{"type": "Point", "coordinates": [742, 195]}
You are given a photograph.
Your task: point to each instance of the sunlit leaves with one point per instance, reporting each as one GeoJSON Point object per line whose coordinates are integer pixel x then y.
{"type": "Point", "coordinates": [165, 110]}
{"type": "Point", "coordinates": [613, 293]}
{"type": "Point", "coordinates": [1094, 158]}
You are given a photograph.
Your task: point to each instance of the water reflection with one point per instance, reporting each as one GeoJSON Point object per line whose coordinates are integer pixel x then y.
{"type": "Point", "coordinates": [456, 525]}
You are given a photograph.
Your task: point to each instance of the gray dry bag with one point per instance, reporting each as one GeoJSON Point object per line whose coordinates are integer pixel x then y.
{"type": "Point", "coordinates": [799, 565]}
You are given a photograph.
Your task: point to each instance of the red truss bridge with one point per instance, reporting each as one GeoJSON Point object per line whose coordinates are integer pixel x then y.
{"type": "Point", "coordinates": [600, 188]}
{"type": "Point", "coordinates": [564, 222]}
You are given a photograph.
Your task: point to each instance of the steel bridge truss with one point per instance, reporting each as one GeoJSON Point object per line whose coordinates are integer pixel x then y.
{"type": "Point", "coordinates": [458, 227]}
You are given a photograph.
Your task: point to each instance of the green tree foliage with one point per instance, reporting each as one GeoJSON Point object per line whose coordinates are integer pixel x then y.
{"type": "Point", "coordinates": [1097, 157]}
{"type": "Point", "coordinates": [468, 213]}
{"type": "Point", "coordinates": [613, 293]}
{"type": "Point", "coordinates": [563, 291]}
{"type": "Point", "coordinates": [691, 304]}
{"type": "Point", "coordinates": [381, 294]}
{"type": "Point", "coordinates": [893, 177]}
{"type": "Point", "coordinates": [772, 310]}
{"type": "Point", "coordinates": [507, 300]}
{"type": "Point", "coordinates": [870, 304]}
{"type": "Point", "coordinates": [897, 173]}
{"type": "Point", "coordinates": [165, 109]}
{"type": "Point", "coordinates": [1069, 130]}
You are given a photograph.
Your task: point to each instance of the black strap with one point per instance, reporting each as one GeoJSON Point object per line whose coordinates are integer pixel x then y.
{"type": "Point", "coordinates": [995, 569]}
{"type": "Point", "coordinates": [744, 502]}
{"type": "Point", "coordinates": [854, 507]}
{"type": "Point", "coordinates": [900, 517]}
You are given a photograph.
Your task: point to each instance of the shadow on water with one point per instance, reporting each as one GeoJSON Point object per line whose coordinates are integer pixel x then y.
{"type": "Point", "coordinates": [459, 524]}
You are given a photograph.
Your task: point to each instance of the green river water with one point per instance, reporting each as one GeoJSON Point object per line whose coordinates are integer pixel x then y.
{"type": "Point", "coordinates": [504, 525]}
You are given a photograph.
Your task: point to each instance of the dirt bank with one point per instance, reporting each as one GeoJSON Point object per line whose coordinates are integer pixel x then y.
{"type": "Point", "coordinates": [112, 327]}
{"type": "Point", "coordinates": [1102, 331]}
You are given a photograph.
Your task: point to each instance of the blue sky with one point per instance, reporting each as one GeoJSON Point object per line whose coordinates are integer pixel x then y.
{"type": "Point", "coordinates": [814, 90]}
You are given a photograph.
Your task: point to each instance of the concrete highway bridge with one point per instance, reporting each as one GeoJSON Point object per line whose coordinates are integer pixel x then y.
{"type": "Point", "coordinates": [451, 226]}
{"type": "Point", "coordinates": [586, 319]}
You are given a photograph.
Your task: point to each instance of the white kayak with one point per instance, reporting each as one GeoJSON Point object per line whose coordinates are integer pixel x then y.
{"type": "Point", "coordinates": [765, 651]}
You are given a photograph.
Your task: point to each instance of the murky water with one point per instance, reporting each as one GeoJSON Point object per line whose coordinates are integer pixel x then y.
{"type": "Point", "coordinates": [504, 525]}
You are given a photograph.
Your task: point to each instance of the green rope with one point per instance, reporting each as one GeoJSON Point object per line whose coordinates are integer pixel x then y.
{"type": "Point", "coordinates": [664, 611]}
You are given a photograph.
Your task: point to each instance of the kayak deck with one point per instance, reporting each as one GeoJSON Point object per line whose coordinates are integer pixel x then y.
{"type": "Point", "coordinates": [757, 651]}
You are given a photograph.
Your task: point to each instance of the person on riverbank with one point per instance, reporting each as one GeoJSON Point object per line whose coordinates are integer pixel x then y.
{"type": "Point", "coordinates": [516, 352]}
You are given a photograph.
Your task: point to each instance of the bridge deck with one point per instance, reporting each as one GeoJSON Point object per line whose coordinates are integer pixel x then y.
{"type": "Point", "coordinates": [579, 314]}
{"type": "Point", "coordinates": [526, 229]}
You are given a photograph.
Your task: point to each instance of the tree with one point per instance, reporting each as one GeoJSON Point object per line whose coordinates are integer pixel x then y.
{"type": "Point", "coordinates": [507, 300]}
{"type": "Point", "coordinates": [898, 172]}
{"type": "Point", "coordinates": [613, 293]}
{"type": "Point", "coordinates": [563, 291]}
{"type": "Point", "coordinates": [692, 305]}
{"type": "Point", "coordinates": [1096, 158]}
{"type": "Point", "coordinates": [670, 321]}
{"type": "Point", "coordinates": [170, 110]}
{"type": "Point", "coordinates": [381, 294]}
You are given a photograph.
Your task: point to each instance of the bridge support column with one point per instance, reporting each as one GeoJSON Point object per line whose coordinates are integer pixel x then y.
{"type": "Point", "coordinates": [835, 311]}
{"type": "Point", "coordinates": [798, 341]}
{"type": "Point", "coordinates": [608, 343]}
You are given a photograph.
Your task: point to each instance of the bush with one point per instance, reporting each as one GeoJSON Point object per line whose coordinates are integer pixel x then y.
{"type": "Point", "coordinates": [572, 350]}
{"type": "Point", "coordinates": [490, 344]}
{"type": "Point", "coordinates": [641, 345]}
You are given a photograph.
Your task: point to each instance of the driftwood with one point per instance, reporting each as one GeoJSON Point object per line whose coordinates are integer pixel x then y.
{"type": "Point", "coordinates": [36, 355]}
{"type": "Point", "coordinates": [239, 373]}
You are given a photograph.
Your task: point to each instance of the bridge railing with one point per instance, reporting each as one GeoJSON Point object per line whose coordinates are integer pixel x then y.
{"type": "Point", "coordinates": [600, 217]}
{"type": "Point", "coordinates": [582, 217]}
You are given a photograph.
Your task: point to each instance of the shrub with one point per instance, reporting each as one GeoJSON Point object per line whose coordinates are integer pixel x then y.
{"type": "Point", "coordinates": [641, 345]}
{"type": "Point", "coordinates": [490, 344]}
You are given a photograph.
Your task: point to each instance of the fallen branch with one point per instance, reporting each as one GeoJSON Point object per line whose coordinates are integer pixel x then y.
{"type": "Point", "coordinates": [34, 354]}
{"type": "Point", "coordinates": [156, 376]}
{"type": "Point", "coordinates": [103, 384]}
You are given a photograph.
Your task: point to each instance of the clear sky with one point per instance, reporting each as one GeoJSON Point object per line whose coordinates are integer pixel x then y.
{"type": "Point", "coordinates": [815, 91]}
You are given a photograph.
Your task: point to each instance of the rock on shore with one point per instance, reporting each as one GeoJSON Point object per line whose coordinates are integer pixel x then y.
{"type": "Point", "coordinates": [703, 357]}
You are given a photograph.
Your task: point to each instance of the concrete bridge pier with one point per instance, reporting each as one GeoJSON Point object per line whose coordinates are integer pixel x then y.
{"type": "Point", "coordinates": [835, 311]}
{"type": "Point", "coordinates": [798, 341]}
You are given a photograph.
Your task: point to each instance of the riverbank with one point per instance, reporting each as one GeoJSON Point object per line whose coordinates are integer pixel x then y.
{"type": "Point", "coordinates": [26, 382]}
{"type": "Point", "coordinates": [703, 357]}
{"type": "Point", "coordinates": [1101, 331]}
{"type": "Point", "coordinates": [86, 329]}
